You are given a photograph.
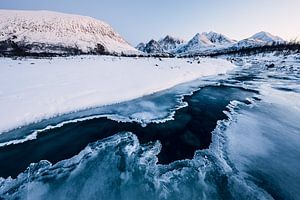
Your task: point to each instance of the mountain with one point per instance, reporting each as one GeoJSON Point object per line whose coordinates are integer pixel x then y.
{"type": "Point", "coordinates": [259, 39]}
{"type": "Point", "coordinates": [266, 37]}
{"type": "Point", "coordinates": [153, 47]}
{"type": "Point", "coordinates": [211, 42]}
{"type": "Point", "coordinates": [141, 46]}
{"type": "Point", "coordinates": [58, 33]}
{"type": "Point", "coordinates": [205, 41]}
{"type": "Point", "coordinates": [166, 45]}
{"type": "Point", "coordinates": [218, 39]}
{"type": "Point", "coordinates": [170, 43]}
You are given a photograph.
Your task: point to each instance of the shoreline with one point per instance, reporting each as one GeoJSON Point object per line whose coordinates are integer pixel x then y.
{"type": "Point", "coordinates": [32, 90]}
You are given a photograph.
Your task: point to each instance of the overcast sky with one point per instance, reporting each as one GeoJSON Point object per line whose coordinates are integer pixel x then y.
{"type": "Point", "coordinates": [141, 20]}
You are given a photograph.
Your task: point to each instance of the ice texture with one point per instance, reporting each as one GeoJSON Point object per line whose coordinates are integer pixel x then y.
{"type": "Point", "coordinates": [120, 168]}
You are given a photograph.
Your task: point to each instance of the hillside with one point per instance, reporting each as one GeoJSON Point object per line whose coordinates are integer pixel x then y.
{"type": "Point", "coordinates": [29, 32]}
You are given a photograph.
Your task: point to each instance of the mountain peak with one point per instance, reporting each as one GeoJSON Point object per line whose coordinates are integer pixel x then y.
{"type": "Point", "coordinates": [168, 44]}
{"type": "Point", "coordinates": [259, 39]}
{"type": "Point", "coordinates": [168, 37]}
{"type": "Point", "coordinates": [152, 47]}
{"type": "Point", "coordinates": [171, 39]}
{"type": "Point", "coordinates": [140, 46]}
{"type": "Point", "coordinates": [200, 39]}
{"type": "Point", "coordinates": [266, 37]}
{"type": "Point", "coordinates": [197, 43]}
{"type": "Point", "coordinates": [218, 38]}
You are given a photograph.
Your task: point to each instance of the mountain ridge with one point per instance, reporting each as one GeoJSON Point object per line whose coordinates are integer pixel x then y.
{"type": "Point", "coordinates": [167, 44]}
{"type": "Point", "coordinates": [211, 41]}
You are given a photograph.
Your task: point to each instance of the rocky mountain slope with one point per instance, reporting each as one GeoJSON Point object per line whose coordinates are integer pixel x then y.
{"type": "Point", "coordinates": [168, 44]}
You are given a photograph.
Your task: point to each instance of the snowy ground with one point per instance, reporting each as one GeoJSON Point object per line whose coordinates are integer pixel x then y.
{"type": "Point", "coordinates": [35, 89]}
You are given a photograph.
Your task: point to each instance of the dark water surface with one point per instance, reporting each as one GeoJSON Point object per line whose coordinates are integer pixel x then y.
{"type": "Point", "coordinates": [189, 131]}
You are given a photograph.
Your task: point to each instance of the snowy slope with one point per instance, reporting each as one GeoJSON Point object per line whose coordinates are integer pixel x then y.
{"type": "Point", "coordinates": [45, 31]}
{"type": "Point", "coordinates": [31, 90]}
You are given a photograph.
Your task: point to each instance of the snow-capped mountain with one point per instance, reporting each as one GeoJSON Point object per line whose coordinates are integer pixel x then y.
{"type": "Point", "coordinates": [168, 44]}
{"type": "Point", "coordinates": [259, 39]}
{"type": "Point", "coordinates": [152, 47]}
{"type": "Point", "coordinates": [266, 37]}
{"type": "Point", "coordinates": [53, 32]}
{"type": "Point", "coordinates": [141, 46]}
{"type": "Point", "coordinates": [198, 42]}
{"type": "Point", "coordinates": [205, 41]}
{"type": "Point", "coordinates": [219, 39]}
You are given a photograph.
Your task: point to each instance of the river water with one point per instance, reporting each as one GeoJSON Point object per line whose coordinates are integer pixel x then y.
{"type": "Point", "coordinates": [234, 136]}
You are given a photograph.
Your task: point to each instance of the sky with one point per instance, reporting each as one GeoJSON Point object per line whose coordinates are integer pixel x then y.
{"type": "Point", "coordinates": [141, 20]}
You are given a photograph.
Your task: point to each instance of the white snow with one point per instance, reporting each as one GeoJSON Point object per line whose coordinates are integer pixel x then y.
{"type": "Point", "coordinates": [36, 89]}
{"type": "Point", "coordinates": [53, 28]}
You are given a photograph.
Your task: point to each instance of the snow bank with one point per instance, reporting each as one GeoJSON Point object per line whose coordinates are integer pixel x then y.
{"type": "Point", "coordinates": [32, 90]}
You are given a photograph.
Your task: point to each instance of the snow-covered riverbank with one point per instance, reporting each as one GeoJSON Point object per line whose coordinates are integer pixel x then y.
{"type": "Point", "coordinates": [35, 89]}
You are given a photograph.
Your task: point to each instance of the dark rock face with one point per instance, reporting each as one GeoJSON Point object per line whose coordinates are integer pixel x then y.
{"type": "Point", "coordinates": [163, 46]}
{"type": "Point", "coordinates": [11, 48]}
{"type": "Point", "coordinates": [100, 49]}
{"type": "Point", "coordinates": [153, 47]}
{"type": "Point", "coordinates": [218, 38]}
{"type": "Point", "coordinates": [141, 46]}
{"type": "Point", "coordinates": [170, 43]}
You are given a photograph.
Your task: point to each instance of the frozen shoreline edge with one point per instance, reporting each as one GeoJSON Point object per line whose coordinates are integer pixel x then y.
{"type": "Point", "coordinates": [50, 88]}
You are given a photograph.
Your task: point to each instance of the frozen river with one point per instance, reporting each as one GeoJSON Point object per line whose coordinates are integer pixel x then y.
{"type": "Point", "coordinates": [234, 136]}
